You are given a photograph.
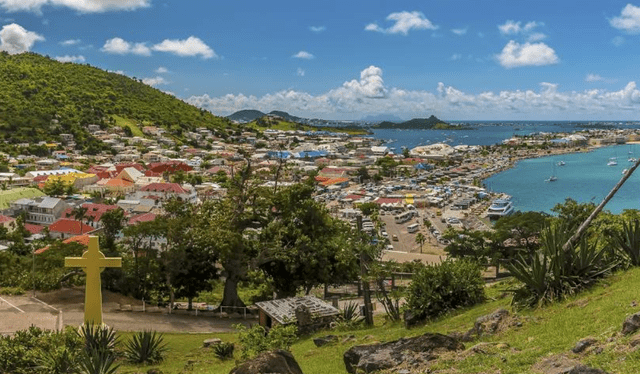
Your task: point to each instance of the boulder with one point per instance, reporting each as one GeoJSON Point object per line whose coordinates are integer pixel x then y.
{"type": "Point", "coordinates": [319, 342]}
{"type": "Point", "coordinates": [564, 365]}
{"type": "Point", "coordinates": [583, 344]}
{"type": "Point", "coordinates": [211, 342]}
{"type": "Point", "coordinates": [489, 324]}
{"type": "Point", "coordinates": [416, 350]}
{"type": "Point", "coordinates": [274, 362]}
{"type": "Point", "coordinates": [631, 324]}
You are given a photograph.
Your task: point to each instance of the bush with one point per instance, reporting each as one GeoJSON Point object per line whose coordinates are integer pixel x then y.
{"type": "Point", "coordinates": [223, 350]}
{"type": "Point", "coordinates": [256, 339]}
{"type": "Point", "coordinates": [146, 347]}
{"type": "Point", "coordinates": [11, 291]}
{"type": "Point", "coordinates": [552, 273]}
{"type": "Point", "coordinates": [98, 338]}
{"type": "Point", "coordinates": [437, 289]}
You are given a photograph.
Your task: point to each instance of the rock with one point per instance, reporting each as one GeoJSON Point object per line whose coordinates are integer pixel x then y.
{"type": "Point", "coordinates": [319, 342]}
{"type": "Point", "coordinates": [489, 324]}
{"type": "Point", "coordinates": [274, 362]}
{"type": "Point", "coordinates": [211, 342]}
{"type": "Point", "coordinates": [583, 344]}
{"type": "Point", "coordinates": [564, 365]}
{"type": "Point", "coordinates": [374, 357]}
{"type": "Point", "coordinates": [631, 324]}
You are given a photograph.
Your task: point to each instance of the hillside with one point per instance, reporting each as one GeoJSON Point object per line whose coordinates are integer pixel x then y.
{"type": "Point", "coordinates": [416, 124]}
{"type": "Point", "coordinates": [276, 122]}
{"type": "Point", "coordinates": [539, 334]}
{"type": "Point", "coordinates": [41, 98]}
{"type": "Point", "coordinates": [247, 115]}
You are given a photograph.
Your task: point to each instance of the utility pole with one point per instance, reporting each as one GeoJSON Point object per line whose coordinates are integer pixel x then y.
{"type": "Point", "coordinates": [364, 260]}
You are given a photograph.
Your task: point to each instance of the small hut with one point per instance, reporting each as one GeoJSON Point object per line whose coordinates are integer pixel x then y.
{"type": "Point", "coordinates": [309, 313]}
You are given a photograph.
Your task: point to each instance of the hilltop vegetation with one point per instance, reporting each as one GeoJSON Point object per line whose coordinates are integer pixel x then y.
{"type": "Point", "coordinates": [41, 98]}
{"type": "Point", "coordinates": [417, 124]}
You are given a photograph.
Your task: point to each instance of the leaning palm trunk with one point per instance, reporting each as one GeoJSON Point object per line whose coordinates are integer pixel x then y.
{"type": "Point", "coordinates": [583, 227]}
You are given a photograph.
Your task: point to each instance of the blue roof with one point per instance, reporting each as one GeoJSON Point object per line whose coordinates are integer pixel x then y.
{"type": "Point", "coordinates": [310, 154]}
{"type": "Point", "coordinates": [278, 154]}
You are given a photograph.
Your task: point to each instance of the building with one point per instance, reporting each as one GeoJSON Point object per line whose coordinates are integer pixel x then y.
{"type": "Point", "coordinates": [41, 210]}
{"type": "Point", "coordinates": [65, 228]}
{"type": "Point", "coordinates": [309, 313]}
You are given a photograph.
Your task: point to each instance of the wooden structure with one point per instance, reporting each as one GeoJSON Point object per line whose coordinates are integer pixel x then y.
{"type": "Point", "coordinates": [309, 313]}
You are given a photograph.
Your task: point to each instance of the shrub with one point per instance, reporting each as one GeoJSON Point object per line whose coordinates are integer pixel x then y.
{"type": "Point", "coordinates": [98, 362]}
{"type": "Point", "coordinates": [552, 273]}
{"type": "Point", "coordinates": [98, 338]}
{"type": "Point", "coordinates": [223, 350]}
{"type": "Point", "coordinates": [11, 291]}
{"type": "Point", "coordinates": [256, 339]}
{"type": "Point", "coordinates": [145, 347]}
{"type": "Point", "coordinates": [437, 289]}
{"type": "Point", "coordinates": [350, 312]}
{"type": "Point", "coordinates": [628, 241]}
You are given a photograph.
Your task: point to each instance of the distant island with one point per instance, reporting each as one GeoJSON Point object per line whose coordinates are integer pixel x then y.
{"type": "Point", "coordinates": [279, 120]}
{"type": "Point", "coordinates": [433, 123]}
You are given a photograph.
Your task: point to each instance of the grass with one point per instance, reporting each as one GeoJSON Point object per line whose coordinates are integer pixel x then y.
{"type": "Point", "coordinates": [545, 331]}
{"type": "Point", "coordinates": [123, 122]}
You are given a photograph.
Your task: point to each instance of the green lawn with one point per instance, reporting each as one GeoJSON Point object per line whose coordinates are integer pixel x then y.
{"type": "Point", "coordinates": [123, 122]}
{"type": "Point", "coordinates": [546, 331]}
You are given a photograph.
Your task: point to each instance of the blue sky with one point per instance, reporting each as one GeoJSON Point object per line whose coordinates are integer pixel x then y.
{"type": "Point", "coordinates": [347, 59]}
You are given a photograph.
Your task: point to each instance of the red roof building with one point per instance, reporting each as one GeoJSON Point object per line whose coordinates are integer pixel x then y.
{"type": "Point", "coordinates": [169, 167]}
{"type": "Point", "coordinates": [33, 229]}
{"type": "Point", "coordinates": [82, 239]}
{"type": "Point", "coordinates": [135, 165]}
{"type": "Point", "coordinates": [95, 211]}
{"type": "Point", "coordinates": [146, 217]}
{"type": "Point", "coordinates": [164, 188]}
{"type": "Point", "coordinates": [65, 228]}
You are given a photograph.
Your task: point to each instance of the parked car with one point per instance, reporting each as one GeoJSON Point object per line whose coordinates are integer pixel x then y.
{"type": "Point", "coordinates": [394, 238]}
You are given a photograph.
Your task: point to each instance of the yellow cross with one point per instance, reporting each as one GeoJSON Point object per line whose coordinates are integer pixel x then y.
{"type": "Point", "coordinates": [93, 262]}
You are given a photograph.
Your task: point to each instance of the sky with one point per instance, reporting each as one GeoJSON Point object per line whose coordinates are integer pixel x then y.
{"type": "Point", "coordinates": [456, 59]}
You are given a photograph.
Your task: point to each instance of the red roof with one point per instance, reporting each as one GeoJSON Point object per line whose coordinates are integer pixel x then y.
{"type": "Point", "coordinates": [146, 217]}
{"type": "Point", "coordinates": [93, 210]}
{"type": "Point", "coordinates": [164, 187]}
{"type": "Point", "coordinates": [82, 239]}
{"type": "Point", "coordinates": [124, 165]}
{"type": "Point", "coordinates": [4, 219]}
{"type": "Point", "coordinates": [169, 167]}
{"type": "Point", "coordinates": [387, 200]}
{"type": "Point", "coordinates": [33, 229]}
{"type": "Point", "coordinates": [70, 226]}
{"type": "Point", "coordinates": [150, 173]}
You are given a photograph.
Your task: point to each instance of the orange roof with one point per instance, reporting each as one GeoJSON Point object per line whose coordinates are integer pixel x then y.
{"type": "Point", "coordinates": [334, 181]}
{"type": "Point", "coordinates": [82, 239]}
{"type": "Point", "coordinates": [118, 183]}
{"type": "Point", "coordinates": [69, 226]}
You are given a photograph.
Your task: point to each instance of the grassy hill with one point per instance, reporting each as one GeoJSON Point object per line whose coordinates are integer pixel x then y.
{"type": "Point", "coordinates": [41, 98]}
{"type": "Point", "coordinates": [276, 123]}
{"type": "Point", "coordinates": [545, 332]}
{"type": "Point", "coordinates": [417, 124]}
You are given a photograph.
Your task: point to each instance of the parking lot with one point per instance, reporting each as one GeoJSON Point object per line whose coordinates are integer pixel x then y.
{"type": "Point", "coordinates": [20, 312]}
{"type": "Point", "coordinates": [406, 242]}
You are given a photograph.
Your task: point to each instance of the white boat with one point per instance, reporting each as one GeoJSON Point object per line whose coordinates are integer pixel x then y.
{"type": "Point", "coordinates": [613, 161]}
{"type": "Point", "coordinates": [632, 159]}
{"type": "Point", "coordinates": [552, 179]}
{"type": "Point", "coordinates": [625, 171]}
{"type": "Point", "coordinates": [500, 208]}
{"type": "Point", "coordinates": [562, 163]}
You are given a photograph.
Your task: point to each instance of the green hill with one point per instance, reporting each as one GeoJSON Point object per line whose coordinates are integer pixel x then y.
{"type": "Point", "coordinates": [541, 333]}
{"type": "Point", "coordinates": [41, 98]}
{"type": "Point", "coordinates": [417, 124]}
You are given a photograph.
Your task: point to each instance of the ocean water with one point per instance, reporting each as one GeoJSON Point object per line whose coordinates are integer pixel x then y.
{"type": "Point", "coordinates": [585, 178]}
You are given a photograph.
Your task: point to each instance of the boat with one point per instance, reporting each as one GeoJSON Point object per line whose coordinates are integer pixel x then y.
{"type": "Point", "coordinates": [562, 163]}
{"type": "Point", "coordinates": [625, 171]}
{"type": "Point", "coordinates": [631, 159]}
{"type": "Point", "coordinates": [553, 176]}
{"type": "Point", "coordinates": [500, 208]}
{"type": "Point", "coordinates": [613, 161]}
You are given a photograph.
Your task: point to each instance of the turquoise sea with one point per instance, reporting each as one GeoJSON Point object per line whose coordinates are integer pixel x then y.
{"type": "Point", "coordinates": [584, 178]}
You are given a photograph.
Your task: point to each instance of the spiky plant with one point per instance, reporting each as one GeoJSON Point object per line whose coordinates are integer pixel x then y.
{"type": "Point", "coordinates": [223, 350]}
{"type": "Point", "coordinates": [98, 362]}
{"type": "Point", "coordinates": [145, 347]}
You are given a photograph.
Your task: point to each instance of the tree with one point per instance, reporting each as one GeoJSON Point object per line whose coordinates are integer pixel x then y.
{"type": "Point", "coordinates": [420, 239]}
{"type": "Point", "coordinates": [79, 213]}
{"type": "Point", "coordinates": [112, 223]}
{"type": "Point", "coordinates": [141, 266]}
{"type": "Point", "coordinates": [56, 187]}
{"type": "Point", "coordinates": [524, 228]}
{"type": "Point", "coordinates": [368, 208]}
{"type": "Point", "coordinates": [363, 174]}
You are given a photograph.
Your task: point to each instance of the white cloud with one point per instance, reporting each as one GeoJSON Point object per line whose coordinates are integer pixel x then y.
{"type": "Point", "coordinates": [618, 41]}
{"type": "Point", "coordinates": [536, 37]}
{"type": "Point", "coordinates": [304, 55]}
{"type": "Point", "coordinates": [404, 22]}
{"type": "Point", "coordinates": [317, 29]}
{"type": "Point", "coordinates": [162, 70]}
{"type": "Point", "coordinates": [513, 28]}
{"type": "Point", "coordinates": [369, 95]}
{"type": "Point", "coordinates": [154, 81]}
{"type": "Point", "coordinates": [83, 6]}
{"type": "Point", "coordinates": [593, 78]}
{"type": "Point", "coordinates": [67, 58]}
{"type": "Point", "coordinates": [460, 31]}
{"type": "Point", "coordinates": [628, 20]}
{"type": "Point", "coordinates": [192, 46]}
{"type": "Point", "coordinates": [529, 54]}
{"type": "Point", "coordinates": [456, 57]}
{"type": "Point", "coordinates": [69, 42]}
{"type": "Point", "coordinates": [300, 72]}
{"type": "Point", "coordinates": [120, 46]}
{"type": "Point", "coordinates": [15, 39]}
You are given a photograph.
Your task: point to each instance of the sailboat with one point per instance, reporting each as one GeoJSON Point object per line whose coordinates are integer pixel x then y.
{"type": "Point", "coordinates": [613, 161]}
{"type": "Point", "coordinates": [553, 176]}
{"type": "Point", "coordinates": [562, 163]}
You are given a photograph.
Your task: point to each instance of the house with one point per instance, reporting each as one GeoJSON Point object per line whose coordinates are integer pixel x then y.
{"type": "Point", "coordinates": [65, 228]}
{"type": "Point", "coordinates": [93, 214]}
{"type": "Point", "coordinates": [41, 210]}
{"type": "Point", "coordinates": [309, 313]}
{"type": "Point", "coordinates": [166, 191]}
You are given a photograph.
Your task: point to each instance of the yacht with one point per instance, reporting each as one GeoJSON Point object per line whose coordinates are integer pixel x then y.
{"type": "Point", "coordinates": [500, 208]}
{"type": "Point", "coordinates": [562, 163]}
{"type": "Point", "coordinates": [552, 178]}
{"type": "Point", "coordinates": [612, 161]}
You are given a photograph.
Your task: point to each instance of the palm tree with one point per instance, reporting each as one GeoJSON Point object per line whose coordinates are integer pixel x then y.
{"type": "Point", "coordinates": [420, 239]}
{"type": "Point", "coordinates": [79, 214]}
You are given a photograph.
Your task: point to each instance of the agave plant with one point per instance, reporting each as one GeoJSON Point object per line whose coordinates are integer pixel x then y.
{"type": "Point", "coordinates": [553, 273]}
{"type": "Point", "coordinates": [350, 312]}
{"type": "Point", "coordinates": [629, 241]}
{"type": "Point", "coordinates": [98, 362]}
{"type": "Point", "coordinates": [59, 361]}
{"type": "Point", "coordinates": [223, 350]}
{"type": "Point", "coordinates": [145, 347]}
{"type": "Point", "coordinates": [98, 338]}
